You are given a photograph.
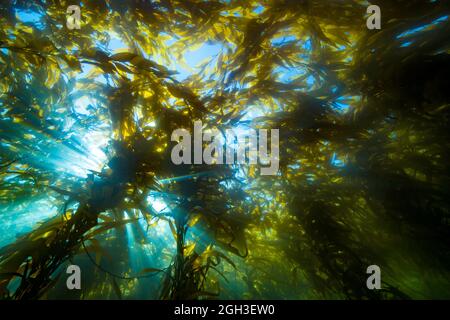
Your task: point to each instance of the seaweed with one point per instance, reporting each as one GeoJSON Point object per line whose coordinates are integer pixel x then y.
{"type": "Point", "coordinates": [363, 118]}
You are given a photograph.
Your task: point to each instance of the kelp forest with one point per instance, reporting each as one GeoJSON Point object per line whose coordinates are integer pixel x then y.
{"type": "Point", "coordinates": [86, 177]}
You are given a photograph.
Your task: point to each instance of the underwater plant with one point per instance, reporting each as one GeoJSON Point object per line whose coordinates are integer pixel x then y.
{"type": "Point", "coordinates": [86, 177]}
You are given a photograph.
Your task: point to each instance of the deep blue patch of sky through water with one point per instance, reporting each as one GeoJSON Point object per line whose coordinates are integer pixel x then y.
{"type": "Point", "coordinates": [30, 17]}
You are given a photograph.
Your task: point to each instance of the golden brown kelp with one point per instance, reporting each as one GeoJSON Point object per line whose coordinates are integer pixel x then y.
{"type": "Point", "coordinates": [356, 187]}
